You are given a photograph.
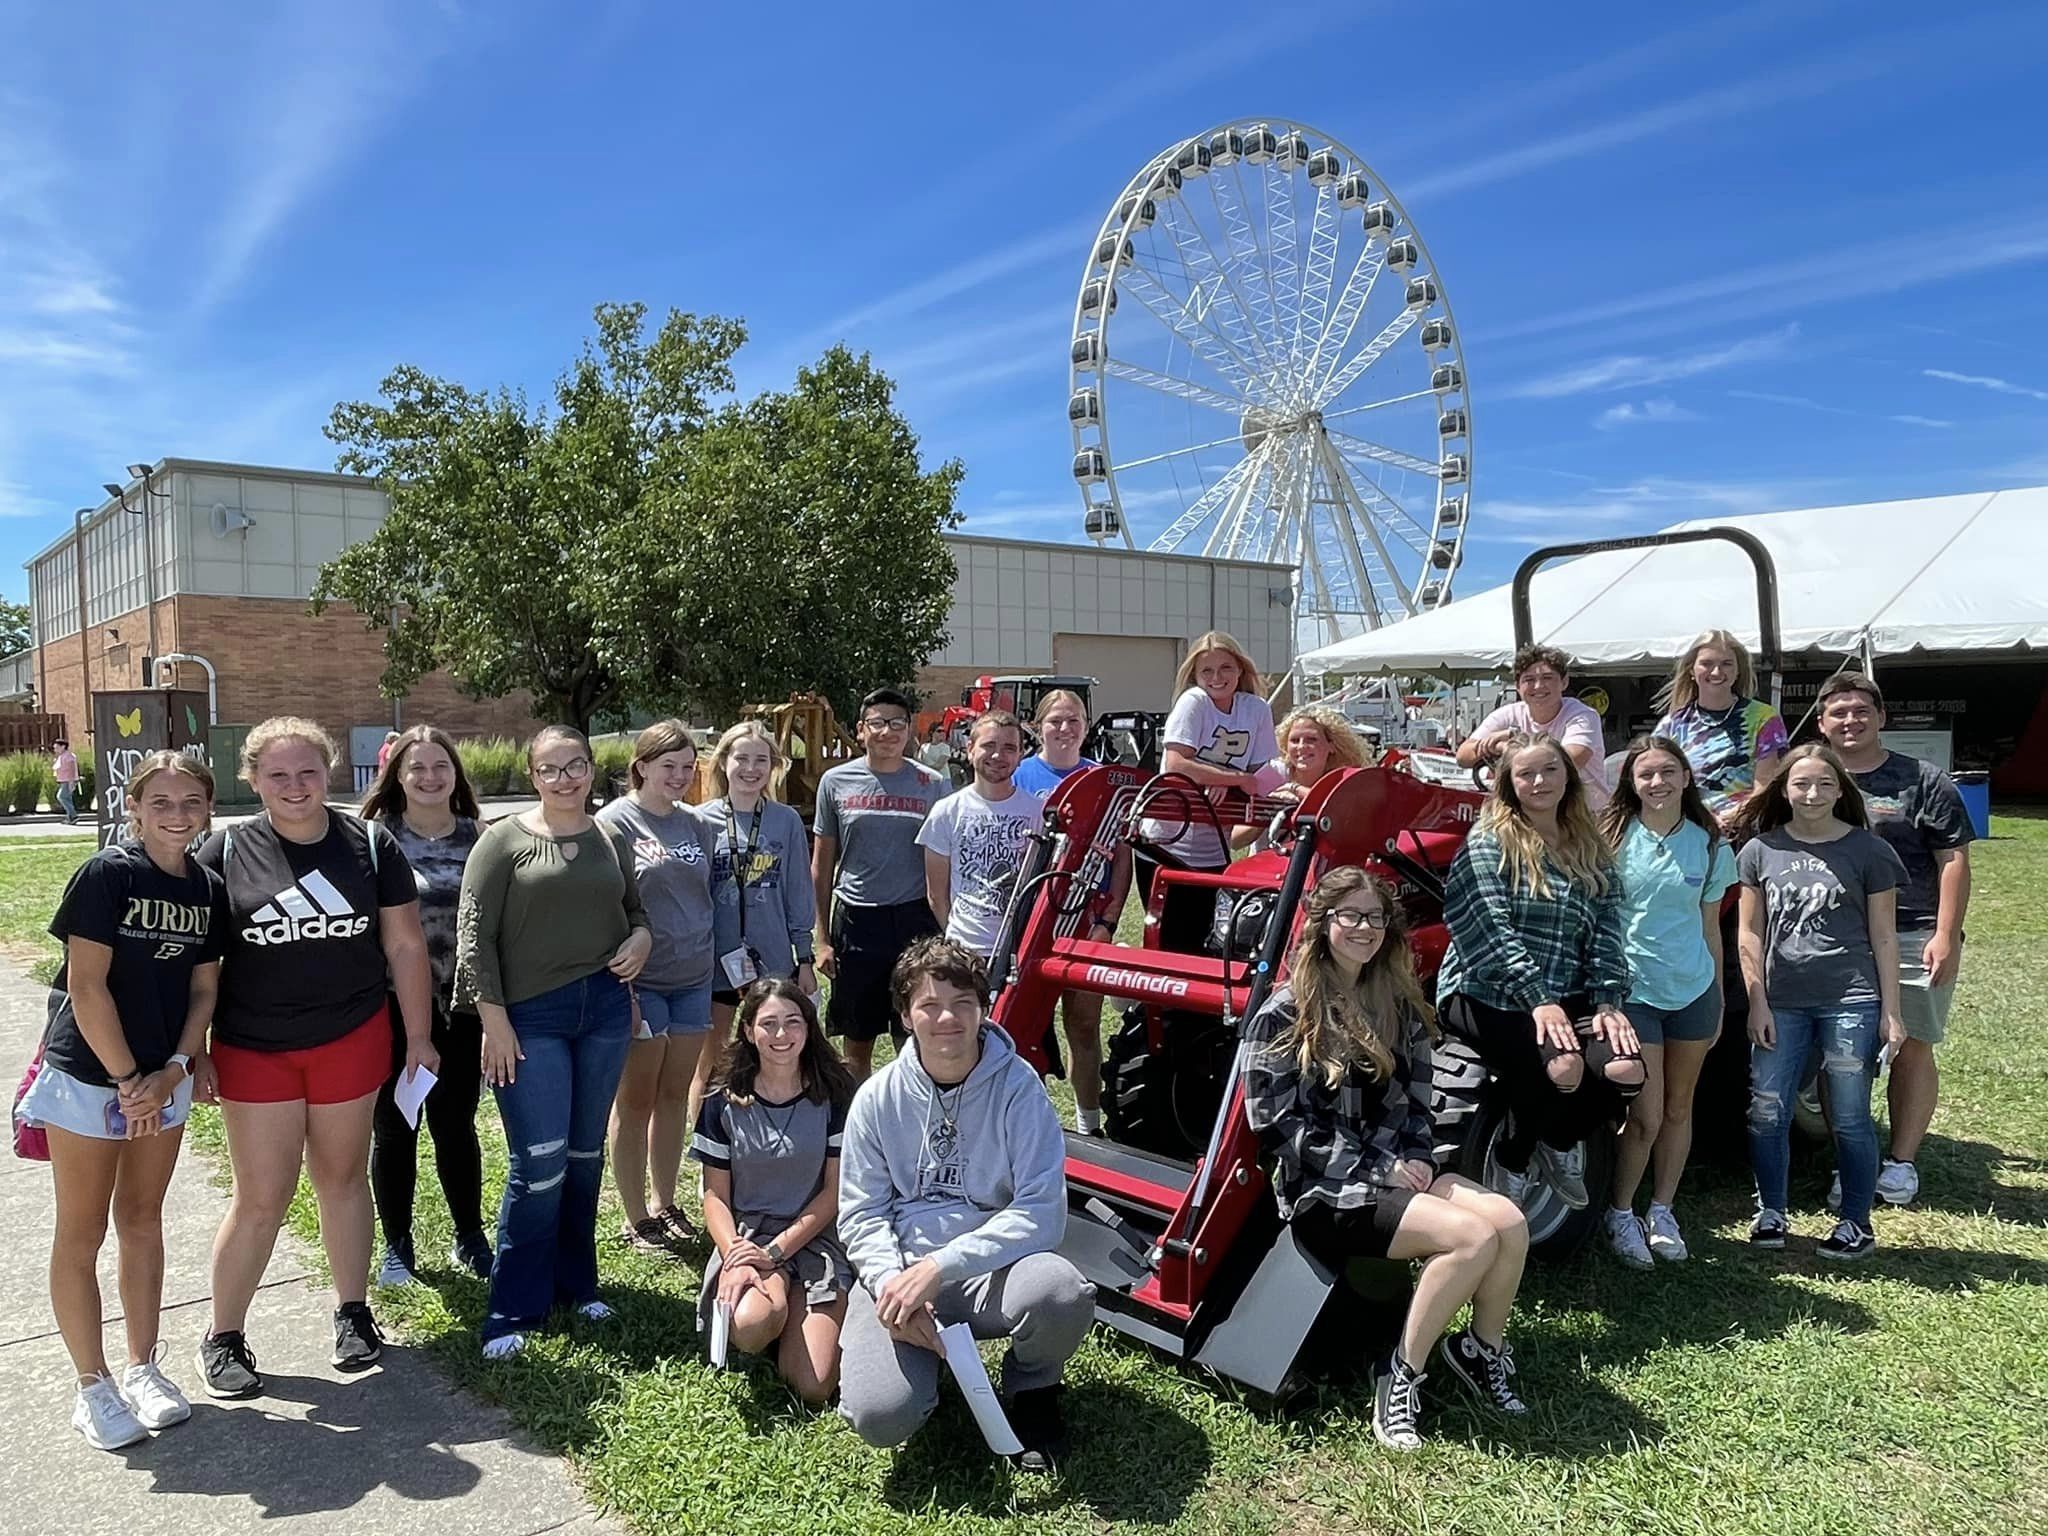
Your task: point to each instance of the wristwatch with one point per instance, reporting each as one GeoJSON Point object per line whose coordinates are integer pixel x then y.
{"type": "Point", "coordinates": [774, 1250]}
{"type": "Point", "coordinates": [182, 1062]}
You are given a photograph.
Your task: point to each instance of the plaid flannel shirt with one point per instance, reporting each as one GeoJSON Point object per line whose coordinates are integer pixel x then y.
{"type": "Point", "coordinates": [1513, 950]}
{"type": "Point", "coordinates": [1341, 1145]}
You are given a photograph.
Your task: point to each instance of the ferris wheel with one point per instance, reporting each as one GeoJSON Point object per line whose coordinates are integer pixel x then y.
{"type": "Point", "coordinates": [1282, 377]}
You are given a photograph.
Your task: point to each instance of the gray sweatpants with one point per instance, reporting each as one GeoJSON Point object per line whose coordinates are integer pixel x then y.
{"type": "Point", "coordinates": [1040, 1304]}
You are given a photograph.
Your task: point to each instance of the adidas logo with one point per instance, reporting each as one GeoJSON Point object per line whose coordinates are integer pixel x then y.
{"type": "Point", "coordinates": [289, 916]}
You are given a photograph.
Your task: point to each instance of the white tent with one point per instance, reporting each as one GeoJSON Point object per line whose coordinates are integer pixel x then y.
{"type": "Point", "coordinates": [1945, 573]}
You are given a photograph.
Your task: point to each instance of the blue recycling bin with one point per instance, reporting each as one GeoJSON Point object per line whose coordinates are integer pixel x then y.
{"type": "Point", "coordinates": [1975, 788]}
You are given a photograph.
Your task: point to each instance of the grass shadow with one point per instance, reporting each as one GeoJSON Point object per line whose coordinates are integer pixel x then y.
{"type": "Point", "coordinates": [1966, 1178]}
{"type": "Point", "coordinates": [946, 1468]}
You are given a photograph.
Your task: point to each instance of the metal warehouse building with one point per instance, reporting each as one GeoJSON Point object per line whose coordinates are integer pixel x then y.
{"type": "Point", "coordinates": [213, 563]}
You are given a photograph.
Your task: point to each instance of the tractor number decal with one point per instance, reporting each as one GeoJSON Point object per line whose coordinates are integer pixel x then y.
{"type": "Point", "coordinates": [1113, 979]}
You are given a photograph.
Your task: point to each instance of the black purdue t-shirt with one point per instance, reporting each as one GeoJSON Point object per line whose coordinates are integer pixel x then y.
{"type": "Point", "coordinates": [159, 927]}
{"type": "Point", "coordinates": [304, 963]}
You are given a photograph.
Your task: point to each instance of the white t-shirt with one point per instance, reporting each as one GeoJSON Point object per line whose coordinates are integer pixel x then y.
{"type": "Point", "coordinates": [1575, 724]}
{"type": "Point", "coordinates": [1238, 738]}
{"type": "Point", "coordinates": [984, 840]}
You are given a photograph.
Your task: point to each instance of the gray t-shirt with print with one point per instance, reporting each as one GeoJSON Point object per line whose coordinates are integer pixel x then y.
{"type": "Point", "coordinates": [672, 861]}
{"type": "Point", "coordinates": [874, 819]}
{"type": "Point", "coordinates": [1816, 901]}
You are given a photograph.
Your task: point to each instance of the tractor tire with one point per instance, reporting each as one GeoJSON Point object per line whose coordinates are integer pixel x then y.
{"type": "Point", "coordinates": [1470, 1111]}
{"type": "Point", "coordinates": [1165, 1101]}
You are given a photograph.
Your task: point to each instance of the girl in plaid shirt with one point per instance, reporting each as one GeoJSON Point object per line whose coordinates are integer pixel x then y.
{"type": "Point", "coordinates": [1536, 973]}
{"type": "Point", "coordinates": [1337, 1084]}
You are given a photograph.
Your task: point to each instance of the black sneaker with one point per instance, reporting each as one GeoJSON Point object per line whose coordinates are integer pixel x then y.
{"type": "Point", "coordinates": [1767, 1230]}
{"type": "Point", "coordinates": [1848, 1242]}
{"type": "Point", "coordinates": [1397, 1407]}
{"type": "Point", "coordinates": [1035, 1416]}
{"type": "Point", "coordinates": [1490, 1373]}
{"type": "Point", "coordinates": [357, 1343]}
{"type": "Point", "coordinates": [472, 1251]}
{"type": "Point", "coordinates": [227, 1366]}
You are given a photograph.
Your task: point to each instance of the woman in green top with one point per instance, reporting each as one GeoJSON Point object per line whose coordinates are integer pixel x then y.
{"type": "Point", "coordinates": [550, 933]}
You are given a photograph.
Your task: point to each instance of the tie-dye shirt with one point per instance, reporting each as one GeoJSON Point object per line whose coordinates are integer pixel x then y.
{"type": "Point", "coordinates": [1725, 745]}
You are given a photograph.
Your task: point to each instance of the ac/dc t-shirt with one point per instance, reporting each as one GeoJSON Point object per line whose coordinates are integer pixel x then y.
{"type": "Point", "coordinates": [304, 962]}
{"type": "Point", "coordinates": [159, 927]}
{"type": "Point", "coordinates": [1816, 914]}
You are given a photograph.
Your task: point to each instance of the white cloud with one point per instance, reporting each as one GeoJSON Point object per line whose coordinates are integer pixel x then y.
{"type": "Point", "coordinates": [1637, 506]}
{"type": "Point", "coordinates": [1630, 371]}
{"type": "Point", "coordinates": [1985, 381]}
{"type": "Point", "coordinates": [1920, 421]}
{"type": "Point", "coordinates": [1629, 414]}
{"type": "Point", "coordinates": [1801, 402]}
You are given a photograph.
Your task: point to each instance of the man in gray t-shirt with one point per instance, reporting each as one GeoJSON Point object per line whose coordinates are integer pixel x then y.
{"type": "Point", "coordinates": [868, 872]}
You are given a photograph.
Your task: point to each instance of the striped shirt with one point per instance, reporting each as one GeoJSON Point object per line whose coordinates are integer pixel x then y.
{"type": "Point", "coordinates": [1513, 950]}
{"type": "Point", "coordinates": [1341, 1146]}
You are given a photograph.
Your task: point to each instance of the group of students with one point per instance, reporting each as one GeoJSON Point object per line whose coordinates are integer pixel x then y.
{"type": "Point", "coordinates": [644, 980]}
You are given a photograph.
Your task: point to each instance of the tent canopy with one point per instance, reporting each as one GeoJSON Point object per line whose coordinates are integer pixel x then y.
{"type": "Point", "coordinates": [1944, 573]}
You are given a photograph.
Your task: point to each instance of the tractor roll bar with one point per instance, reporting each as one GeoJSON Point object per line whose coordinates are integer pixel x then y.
{"type": "Point", "coordinates": [1770, 654]}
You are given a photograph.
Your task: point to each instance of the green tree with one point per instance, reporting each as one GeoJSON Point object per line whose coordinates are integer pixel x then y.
{"type": "Point", "coordinates": [14, 630]}
{"type": "Point", "coordinates": [637, 547]}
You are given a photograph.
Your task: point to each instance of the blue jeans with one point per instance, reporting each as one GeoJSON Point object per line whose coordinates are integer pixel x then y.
{"type": "Point", "coordinates": [67, 802]}
{"type": "Point", "coordinates": [1847, 1040]}
{"type": "Point", "coordinates": [555, 1113]}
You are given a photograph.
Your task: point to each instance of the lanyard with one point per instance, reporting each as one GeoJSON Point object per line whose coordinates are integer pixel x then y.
{"type": "Point", "coordinates": [743, 863]}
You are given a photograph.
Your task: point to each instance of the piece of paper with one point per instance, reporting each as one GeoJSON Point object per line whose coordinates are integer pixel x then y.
{"type": "Point", "coordinates": [721, 1334]}
{"type": "Point", "coordinates": [411, 1093]}
{"type": "Point", "coordinates": [979, 1391]}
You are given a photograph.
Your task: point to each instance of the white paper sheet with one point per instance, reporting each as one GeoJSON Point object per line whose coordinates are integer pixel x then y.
{"type": "Point", "coordinates": [980, 1392]}
{"type": "Point", "coordinates": [411, 1093]}
{"type": "Point", "coordinates": [721, 1334]}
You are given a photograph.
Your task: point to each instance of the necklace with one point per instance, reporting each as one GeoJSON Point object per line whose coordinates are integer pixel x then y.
{"type": "Point", "coordinates": [780, 1123]}
{"type": "Point", "coordinates": [1719, 716]}
{"type": "Point", "coordinates": [945, 1136]}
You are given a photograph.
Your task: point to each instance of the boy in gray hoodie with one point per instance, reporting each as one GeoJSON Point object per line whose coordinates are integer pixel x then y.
{"type": "Point", "coordinates": [952, 1202]}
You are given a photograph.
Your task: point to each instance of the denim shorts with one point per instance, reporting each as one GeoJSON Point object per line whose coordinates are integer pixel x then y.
{"type": "Point", "coordinates": [1695, 1022]}
{"type": "Point", "coordinates": [685, 1011]}
{"type": "Point", "coordinates": [56, 1098]}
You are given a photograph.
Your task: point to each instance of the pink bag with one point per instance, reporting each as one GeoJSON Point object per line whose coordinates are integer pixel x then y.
{"type": "Point", "coordinates": [31, 1142]}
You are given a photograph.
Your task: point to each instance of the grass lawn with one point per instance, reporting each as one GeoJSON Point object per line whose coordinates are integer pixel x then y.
{"type": "Point", "coordinates": [1736, 1393]}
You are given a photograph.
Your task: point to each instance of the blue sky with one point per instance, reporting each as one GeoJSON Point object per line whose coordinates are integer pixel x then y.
{"type": "Point", "coordinates": [1704, 259]}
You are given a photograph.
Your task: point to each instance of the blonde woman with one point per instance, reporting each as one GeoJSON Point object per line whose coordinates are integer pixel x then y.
{"type": "Point", "coordinates": [1313, 741]}
{"type": "Point", "coordinates": [1735, 741]}
{"type": "Point", "coordinates": [142, 924]}
{"type": "Point", "coordinates": [763, 904]}
{"type": "Point", "coordinates": [325, 930]}
{"type": "Point", "coordinates": [1537, 970]}
{"type": "Point", "coordinates": [1219, 734]}
{"type": "Point", "coordinates": [1337, 1084]}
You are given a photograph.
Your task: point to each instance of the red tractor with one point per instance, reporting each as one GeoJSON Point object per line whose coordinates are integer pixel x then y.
{"type": "Point", "coordinates": [1172, 1215]}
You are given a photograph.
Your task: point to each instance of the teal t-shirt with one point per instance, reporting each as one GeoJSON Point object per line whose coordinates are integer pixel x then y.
{"type": "Point", "coordinates": [1664, 883]}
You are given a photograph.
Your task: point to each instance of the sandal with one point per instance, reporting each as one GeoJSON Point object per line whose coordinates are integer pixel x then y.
{"type": "Point", "coordinates": [650, 1237]}
{"type": "Point", "coordinates": [676, 1224]}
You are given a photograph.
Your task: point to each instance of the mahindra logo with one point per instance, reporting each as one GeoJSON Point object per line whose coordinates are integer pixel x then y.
{"type": "Point", "coordinates": [1113, 979]}
{"type": "Point", "coordinates": [289, 930]}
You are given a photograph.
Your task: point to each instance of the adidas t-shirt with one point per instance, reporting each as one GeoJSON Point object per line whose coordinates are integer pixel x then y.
{"type": "Point", "coordinates": [304, 964]}
{"type": "Point", "coordinates": [159, 927]}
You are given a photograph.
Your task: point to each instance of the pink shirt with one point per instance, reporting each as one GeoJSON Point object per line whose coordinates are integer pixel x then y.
{"type": "Point", "coordinates": [66, 767]}
{"type": "Point", "coordinates": [1574, 725]}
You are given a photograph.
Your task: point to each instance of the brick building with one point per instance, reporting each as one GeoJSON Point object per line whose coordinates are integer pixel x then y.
{"type": "Point", "coordinates": [220, 569]}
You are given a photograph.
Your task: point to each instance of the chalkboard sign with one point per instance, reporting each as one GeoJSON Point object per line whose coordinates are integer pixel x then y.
{"type": "Point", "coordinates": [128, 726]}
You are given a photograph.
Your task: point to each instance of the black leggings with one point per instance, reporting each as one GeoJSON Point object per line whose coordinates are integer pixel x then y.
{"type": "Point", "coordinates": [450, 1114]}
{"type": "Point", "coordinates": [1506, 1042]}
{"type": "Point", "coordinates": [1190, 911]}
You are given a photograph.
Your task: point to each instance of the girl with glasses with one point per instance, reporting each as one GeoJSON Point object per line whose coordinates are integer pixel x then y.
{"type": "Point", "coordinates": [550, 933]}
{"type": "Point", "coordinates": [1337, 1084]}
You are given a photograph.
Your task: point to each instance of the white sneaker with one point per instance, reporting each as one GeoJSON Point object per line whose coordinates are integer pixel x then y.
{"type": "Point", "coordinates": [505, 1346]}
{"type": "Point", "coordinates": [106, 1422]}
{"type": "Point", "coordinates": [157, 1404]}
{"type": "Point", "coordinates": [1625, 1237]}
{"type": "Point", "coordinates": [1835, 1193]}
{"type": "Point", "coordinates": [394, 1271]}
{"type": "Point", "coordinates": [1898, 1183]}
{"type": "Point", "coordinates": [595, 1312]}
{"type": "Point", "coordinates": [1666, 1241]}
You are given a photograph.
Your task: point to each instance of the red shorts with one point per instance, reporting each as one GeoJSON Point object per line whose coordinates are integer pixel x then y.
{"type": "Point", "coordinates": [335, 1073]}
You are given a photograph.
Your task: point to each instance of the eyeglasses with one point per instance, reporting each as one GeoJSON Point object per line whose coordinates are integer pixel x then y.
{"type": "Point", "coordinates": [1350, 919]}
{"type": "Point", "coordinates": [881, 723]}
{"type": "Point", "coordinates": [553, 773]}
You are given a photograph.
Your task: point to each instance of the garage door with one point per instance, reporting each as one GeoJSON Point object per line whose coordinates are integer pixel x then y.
{"type": "Point", "coordinates": [1134, 671]}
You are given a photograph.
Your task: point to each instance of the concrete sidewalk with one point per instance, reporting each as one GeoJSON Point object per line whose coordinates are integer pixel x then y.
{"type": "Point", "coordinates": [395, 1449]}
